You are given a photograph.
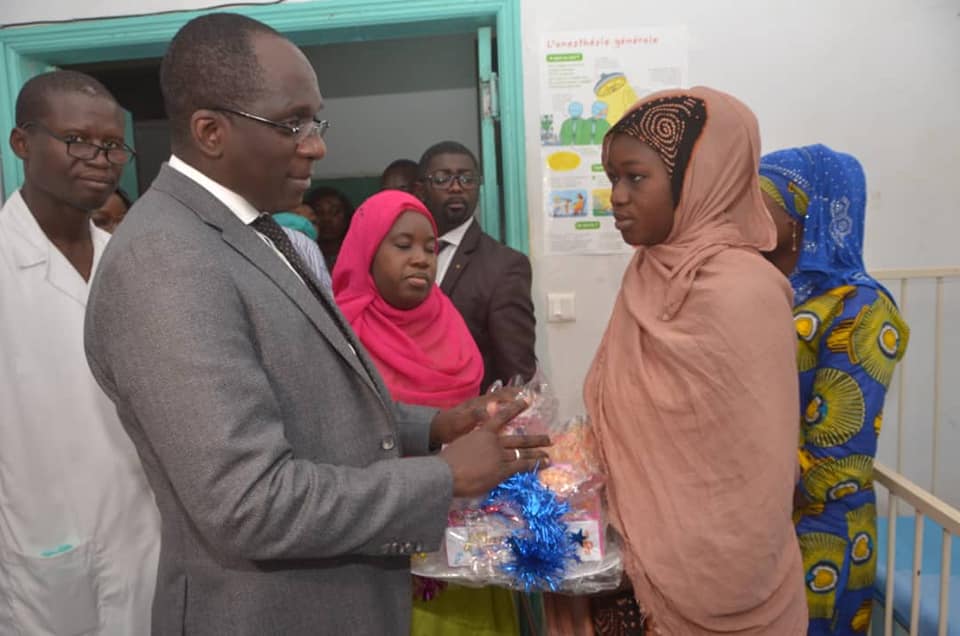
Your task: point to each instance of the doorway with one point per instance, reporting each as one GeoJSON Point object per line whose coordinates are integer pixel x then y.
{"type": "Point", "coordinates": [387, 99]}
{"type": "Point", "coordinates": [447, 72]}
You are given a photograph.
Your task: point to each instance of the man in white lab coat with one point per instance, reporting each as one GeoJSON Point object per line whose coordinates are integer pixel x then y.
{"type": "Point", "coordinates": [79, 529]}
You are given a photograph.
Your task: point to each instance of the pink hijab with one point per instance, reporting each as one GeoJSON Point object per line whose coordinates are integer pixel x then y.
{"type": "Point", "coordinates": [693, 396]}
{"type": "Point", "coordinates": [426, 355]}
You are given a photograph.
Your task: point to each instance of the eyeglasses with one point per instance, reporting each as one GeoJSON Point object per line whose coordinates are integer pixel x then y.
{"type": "Point", "coordinates": [444, 180]}
{"type": "Point", "coordinates": [117, 153]}
{"type": "Point", "coordinates": [299, 132]}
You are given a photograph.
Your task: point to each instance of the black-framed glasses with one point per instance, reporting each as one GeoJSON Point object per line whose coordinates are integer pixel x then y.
{"type": "Point", "coordinates": [299, 132]}
{"type": "Point", "coordinates": [443, 180]}
{"type": "Point", "coordinates": [117, 153]}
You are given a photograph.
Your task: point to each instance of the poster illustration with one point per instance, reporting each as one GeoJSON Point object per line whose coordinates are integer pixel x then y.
{"type": "Point", "coordinates": [588, 82]}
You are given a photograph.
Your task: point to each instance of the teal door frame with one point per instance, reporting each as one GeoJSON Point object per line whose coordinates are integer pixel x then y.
{"type": "Point", "coordinates": [28, 51]}
{"type": "Point", "coordinates": [490, 188]}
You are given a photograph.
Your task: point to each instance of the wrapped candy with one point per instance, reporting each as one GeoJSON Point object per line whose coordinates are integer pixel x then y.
{"type": "Point", "coordinates": [574, 459]}
{"type": "Point", "coordinates": [540, 415]}
{"type": "Point", "coordinates": [543, 530]}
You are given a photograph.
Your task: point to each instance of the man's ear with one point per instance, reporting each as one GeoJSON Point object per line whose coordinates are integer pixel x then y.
{"type": "Point", "coordinates": [19, 143]}
{"type": "Point", "coordinates": [210, 131]}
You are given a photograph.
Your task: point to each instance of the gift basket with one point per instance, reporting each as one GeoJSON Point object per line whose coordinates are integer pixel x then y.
{"type": "Point", "coordinates": [543, 530]}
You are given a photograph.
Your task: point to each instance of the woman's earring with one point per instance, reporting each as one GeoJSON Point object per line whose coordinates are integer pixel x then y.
{"type": "Point", "coordinates": [793, 240]}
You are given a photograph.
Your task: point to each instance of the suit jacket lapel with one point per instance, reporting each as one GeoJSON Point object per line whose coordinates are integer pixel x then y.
{"type": "Point", "coordinates": [461, 258]}
{"type": "Point", "coordinates": [327, 319]}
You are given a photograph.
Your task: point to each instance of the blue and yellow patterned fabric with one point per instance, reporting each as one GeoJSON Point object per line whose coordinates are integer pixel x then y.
{"type": "Point", "coordinates": [850, 337]}
{"type": "Point", "coordinates": [849, 341]}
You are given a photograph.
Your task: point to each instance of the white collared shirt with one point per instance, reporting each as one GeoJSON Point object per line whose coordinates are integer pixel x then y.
{"type": "Point", "coordinates": [240, 207]}
{"type": "Point", "coordinates": [79, 528]}
{"type": "Point", "coordinates": [234, 202]}
{"type": "Point", "coordinates": [454, 237]}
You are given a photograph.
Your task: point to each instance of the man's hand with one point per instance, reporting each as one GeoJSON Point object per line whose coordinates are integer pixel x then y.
{"type": "Point", "coordinates": [448, 425]}
{"type": "Point", "coordinates": [482, 458]}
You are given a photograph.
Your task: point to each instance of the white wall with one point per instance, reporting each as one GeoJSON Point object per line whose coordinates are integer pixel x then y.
{"type": "Point", "coordinates": [386, 100]}
{"type": "Point", "coordinates": [393, 99]}
{"type": "Point", "coordinates": [877, 78]}
{"type": "Point", "coordinates": [23, 11]}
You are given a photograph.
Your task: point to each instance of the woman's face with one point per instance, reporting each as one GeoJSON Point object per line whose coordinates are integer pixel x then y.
{"type": "Point", "coordinates": [789, 237]}
{"type": "Point", "coordinates": [405, 265]}
{"type": "Point", "coordinates": [108, 217]}
{"type": "Point", "coordinates": [331, 218]}
{"type": "Point", "coordinates": [642, 201]}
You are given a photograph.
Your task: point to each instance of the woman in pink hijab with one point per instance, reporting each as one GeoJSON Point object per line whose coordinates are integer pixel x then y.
{"type": "Point", "coordinates": [384, 283]}
{"type": "Point", "coordinates": [693, 391]}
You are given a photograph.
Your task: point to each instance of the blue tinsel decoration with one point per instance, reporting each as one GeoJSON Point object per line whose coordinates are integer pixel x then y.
{"type": "Point", "coordinates": [543, 547]}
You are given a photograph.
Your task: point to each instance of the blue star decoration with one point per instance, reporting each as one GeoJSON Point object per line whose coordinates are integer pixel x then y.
{"type": "Point", "coordinates": [578, 537]}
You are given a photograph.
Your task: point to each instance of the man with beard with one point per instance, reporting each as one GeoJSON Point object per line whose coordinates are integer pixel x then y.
{"type": "Point", "coordinates": [488, 282]}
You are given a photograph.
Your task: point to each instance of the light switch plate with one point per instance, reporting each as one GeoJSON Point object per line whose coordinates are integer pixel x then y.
{"type": "Point", "coordinates": [561, 307]}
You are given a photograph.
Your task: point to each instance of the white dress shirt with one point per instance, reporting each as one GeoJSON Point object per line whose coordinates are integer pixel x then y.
{"type": "Point", "coordinates": [454, 237]}
{"type": "Point", "coordinates": [79, 527]}
{"type": "Point", "coordinates": [312, 257]}
{"type": "Point", "coordinates": [240, 207]}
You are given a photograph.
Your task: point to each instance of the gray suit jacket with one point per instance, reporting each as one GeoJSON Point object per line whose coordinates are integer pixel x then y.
{"type": "Point", "coordinates": [266, 433]}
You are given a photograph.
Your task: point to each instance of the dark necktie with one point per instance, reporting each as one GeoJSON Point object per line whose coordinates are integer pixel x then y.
{"type": "Point", "coordinates": [443, 244]}
{"type": "Point", "coordinates": [272, 230]}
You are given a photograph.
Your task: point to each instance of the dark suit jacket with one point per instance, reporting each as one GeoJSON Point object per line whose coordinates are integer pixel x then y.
{"type": "Point", "coordinates": [489, 283]}
{"type": "Point", "coordinates": [268, 437]}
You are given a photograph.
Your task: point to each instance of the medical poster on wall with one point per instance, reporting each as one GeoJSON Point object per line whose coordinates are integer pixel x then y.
{"type": "Point", "coordinates": [589, 79]}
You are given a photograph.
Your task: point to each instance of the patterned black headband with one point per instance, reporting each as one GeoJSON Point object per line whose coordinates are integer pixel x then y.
{"type": "Point", "coordinates": [671, 126]}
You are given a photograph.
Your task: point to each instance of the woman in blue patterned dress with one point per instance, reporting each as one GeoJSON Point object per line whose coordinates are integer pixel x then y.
{"type": "Point", "coordinates": [850, 337]}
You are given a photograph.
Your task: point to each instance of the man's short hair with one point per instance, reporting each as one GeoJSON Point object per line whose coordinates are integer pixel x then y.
{"type": "Point", "coordinates": [444, 148]}
{"type": "Point", "coordinates": [321, 192]}
{"type": "Point", "coordinates": [36, 94]}
{"type": "Point", "coordinates": [211, 63]}
{"type": "Point", "coordinates": [401, 164]}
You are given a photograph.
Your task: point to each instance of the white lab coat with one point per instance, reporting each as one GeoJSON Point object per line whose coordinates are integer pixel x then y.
{"type": "Point", "coordinates": [79, 527]}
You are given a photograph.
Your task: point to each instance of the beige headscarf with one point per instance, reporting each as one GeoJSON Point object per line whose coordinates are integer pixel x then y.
{"type": "Point", "coordinates": [693, 396]}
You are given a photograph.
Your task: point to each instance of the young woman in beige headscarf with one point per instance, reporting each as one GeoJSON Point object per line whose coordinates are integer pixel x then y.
{"type": "Point", "coordinates": [693, 392]}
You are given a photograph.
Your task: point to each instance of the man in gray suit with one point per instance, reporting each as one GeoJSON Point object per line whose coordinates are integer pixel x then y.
{"type": "Point", "coordinates": [291, 488]}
